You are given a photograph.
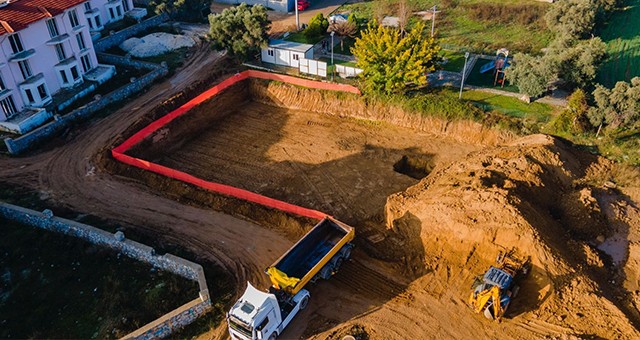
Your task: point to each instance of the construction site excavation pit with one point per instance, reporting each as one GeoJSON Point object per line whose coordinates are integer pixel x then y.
{"type": "Point", "coordinates": [298, 145]}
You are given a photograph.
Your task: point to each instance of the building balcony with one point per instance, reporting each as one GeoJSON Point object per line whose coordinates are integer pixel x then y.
{"type": "Point", "coordinates": [23, 55]}
{"type": "Point", "coordinates": [58, 39]}
{"type": "Point", "coordinates": [26, 120]}
{"type": "Point", "coordinates": [101, 73]}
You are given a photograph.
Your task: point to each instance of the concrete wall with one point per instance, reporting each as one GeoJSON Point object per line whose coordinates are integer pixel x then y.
{"type": "Point", "coordinates": [166, 324]}
{"type": "Point", "coordinates": [23, 143]}
{"type": "Point", "coordinates": [119, 37]}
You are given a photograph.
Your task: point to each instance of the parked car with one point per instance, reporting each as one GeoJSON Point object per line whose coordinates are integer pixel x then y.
{"type": "Point", "coordinates": [303, 4]}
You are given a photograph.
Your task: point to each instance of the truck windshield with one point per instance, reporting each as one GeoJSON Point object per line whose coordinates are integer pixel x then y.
{"type": "Point", "coordinates": [240, 326]}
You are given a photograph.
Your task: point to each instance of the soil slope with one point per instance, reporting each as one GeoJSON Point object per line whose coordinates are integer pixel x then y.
{"type": "Point", "coordinates": [546, 200]}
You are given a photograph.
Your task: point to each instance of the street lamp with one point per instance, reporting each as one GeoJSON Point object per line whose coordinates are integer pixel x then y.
{"type": "Point", "coordinates": [464, 72]}
{"type": "Point", "coordinates": [333, 73]}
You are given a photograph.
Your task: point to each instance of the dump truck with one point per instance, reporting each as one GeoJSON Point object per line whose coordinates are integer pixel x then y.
{"type": "Point", "coordinates": [492, 292]}
{"type": "Point", "coordinates": [317, 255]}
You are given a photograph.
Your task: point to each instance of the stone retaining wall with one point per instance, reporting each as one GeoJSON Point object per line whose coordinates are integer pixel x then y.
{"type": "Point", "coordinates": [161, 327]}
{"type": "Point", "coordinates": [119, 37]}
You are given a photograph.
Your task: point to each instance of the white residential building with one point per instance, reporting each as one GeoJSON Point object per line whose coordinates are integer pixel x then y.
{"type": "Point", "coordinates": [46, 46]}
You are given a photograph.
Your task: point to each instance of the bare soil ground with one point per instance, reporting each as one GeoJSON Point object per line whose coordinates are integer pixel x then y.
{"type": "Point", "coordinates": [434, 237]}
{"type": "Point", "coordinates": [341, 166]}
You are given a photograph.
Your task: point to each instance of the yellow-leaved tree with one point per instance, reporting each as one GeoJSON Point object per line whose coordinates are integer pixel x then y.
{"type": "Point", "coordinates": [390, 61]}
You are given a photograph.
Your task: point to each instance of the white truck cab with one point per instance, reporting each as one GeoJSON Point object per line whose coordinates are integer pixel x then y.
{"type": "Point", "coordinates": [260, 315]}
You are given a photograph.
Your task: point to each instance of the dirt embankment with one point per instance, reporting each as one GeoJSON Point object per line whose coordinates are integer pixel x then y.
{"type": "Point", "coordinates": [544, 198]}
{"type": "Point", "coordinates": [350, 105]}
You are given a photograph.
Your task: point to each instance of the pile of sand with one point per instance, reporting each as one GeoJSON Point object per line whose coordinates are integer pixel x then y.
{"type": "Point", "coordinates": [155, 44]}
{"type": "Point", "coordinates": [550, 202]}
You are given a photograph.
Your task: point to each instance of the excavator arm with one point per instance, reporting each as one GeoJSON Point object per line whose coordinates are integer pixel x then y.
{"type": "Point", "coordinates": [479, 301]}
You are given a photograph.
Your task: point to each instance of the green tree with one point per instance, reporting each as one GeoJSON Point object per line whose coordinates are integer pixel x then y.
{"type": "Point", "coordinates": [344, 29]}
{"type": "Point", "coordinates": [318, 26]}
{"type": "Point", "coordinates": [182, 10]}
{"type": "Point", "coordinates": [531, 74]}
{"type": "Point", "coordinates": [574, 18]}
{"type": "Point", "coordinates": [390, 62]}
{"type": "Point", "coordinates": [574, 118]}
{"type": "Point", "coordinates": [578, 64]}
{"type": "Point", "coordinates": [618, 107]}
{"type": "Point", "coordinates": [241, 30]}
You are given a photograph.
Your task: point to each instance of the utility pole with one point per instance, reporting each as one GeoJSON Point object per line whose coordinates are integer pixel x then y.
{"type": "Point", "coordinates": [333, 74]}
{"type": "Point", "coordinates": [464, 72]}
{"type": "Point", "coordinates": [298, 18]}
{"type": "Point", "coordinates": [433, 19]}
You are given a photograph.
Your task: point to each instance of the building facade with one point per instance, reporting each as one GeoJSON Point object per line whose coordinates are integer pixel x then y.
{"type": "Point", "coordinates": [45, 47]}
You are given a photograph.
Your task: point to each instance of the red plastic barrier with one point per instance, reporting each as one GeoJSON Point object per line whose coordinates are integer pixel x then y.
{"type": "Point", "coordinates": [118, 152]}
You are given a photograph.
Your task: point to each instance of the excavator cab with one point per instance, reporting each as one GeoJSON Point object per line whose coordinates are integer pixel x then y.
{"type": "Point", "coordinates": [491, 293]}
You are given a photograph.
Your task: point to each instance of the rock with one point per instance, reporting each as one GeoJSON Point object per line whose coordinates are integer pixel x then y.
{"type": "Point", "coordinates": [600, 238]}
{"type": "Point", "coordinates": [155, 44]}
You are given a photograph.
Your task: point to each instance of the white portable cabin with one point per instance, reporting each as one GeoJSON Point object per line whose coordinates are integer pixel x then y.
{"type": "Point", "coordinates": [287, 53]}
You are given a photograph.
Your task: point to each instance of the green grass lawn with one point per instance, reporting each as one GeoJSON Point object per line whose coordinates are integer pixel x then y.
{"type": "Point", "coordinates": [486, 79]}
{"type": "Point", "coordinates": [463, 23]}
{"type": "Point", "coordinates": [455, 60]}
{"type": "Point", "coordinates": [622, 35]}
{"type": "Point", "coordinates": [345, 47]}
{"type": "Point", "coordinates": [511, 106]}
{"type": "Point", "coordinates": [299, 37]}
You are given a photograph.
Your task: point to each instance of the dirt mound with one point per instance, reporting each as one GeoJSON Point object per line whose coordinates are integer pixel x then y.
{"type": "Point", "coordinates": [539, 195]}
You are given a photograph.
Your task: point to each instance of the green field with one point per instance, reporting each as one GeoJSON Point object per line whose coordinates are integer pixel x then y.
{"type": "Point", "coordinates": [455, 60]}
{"type": "Point", "coordinates": [57, 286]}
{"type": "Point", "coordinates": [622, 35]}
{"type": "Point", "coordinates": [478, 25]}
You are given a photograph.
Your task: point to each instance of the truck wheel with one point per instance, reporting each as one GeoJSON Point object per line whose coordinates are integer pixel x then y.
{"type": "Point", "coordinates": [273, 336]}
{"type": "Point", "coordinates": [347, 253]}
{"type": "Point", "coordinates": [304, 303]}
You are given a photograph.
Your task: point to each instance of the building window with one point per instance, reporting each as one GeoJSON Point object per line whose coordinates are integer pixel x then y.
{"type": "Point", "coordinates": [73, 18]}
{"type": "Point", "coordinates": [80, 40]}
{"type": "Point", "coordinates": [296, 57]}
{"type": "Point", "coordinates": [63, 75]}
{"type": "Point", "coordinates": [74, 73]}
{"type": "Point", "coordinates": [86, 63]}
{"type": "Point", "coordinates": [111, 14]}
{"type": "Point", "coordinates": [29, 94]}
{"type": "Point", "coordinates": [87, 6]}
{"type": "Point", "coordinates": [16, 43]}
{"type": "Point", "coordinates": [25, 69]}
{"type": "Point", "coordinates": [42, 91]}
{"type": "Point", "coordinates": [52, 27]}
{"type": "Point", "coordinates": [119, 11]}
{"type": "Point", "coordinates": [97, 19]}
{"type": "Point", "coordinates": [2, 85]}
{"type": "Point", "coordinates": [125, 5]}
{"type": "Point", "coordinates": [270, 53]}
{"type": "Point", "coordinates": [8, 106]}
{"type": "Point", "coordinates": [60, 52]}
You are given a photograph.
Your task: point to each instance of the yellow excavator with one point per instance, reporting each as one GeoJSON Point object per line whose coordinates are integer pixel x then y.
{"type": "Point", "coordinates": [492, 292]}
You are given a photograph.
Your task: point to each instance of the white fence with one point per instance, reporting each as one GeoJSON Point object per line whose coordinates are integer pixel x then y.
{"type": "Point", "coordinates": [314, 67]}
{"type": "Point", "coordinates": [347, 71]}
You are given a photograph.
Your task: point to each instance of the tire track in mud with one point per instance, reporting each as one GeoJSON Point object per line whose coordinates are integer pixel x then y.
{"type": "Point", "coordinates": [71, 175]}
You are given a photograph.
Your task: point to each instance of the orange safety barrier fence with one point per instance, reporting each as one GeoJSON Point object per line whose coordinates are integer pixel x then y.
{"type": "Point", "coordinates": [119, 151]}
